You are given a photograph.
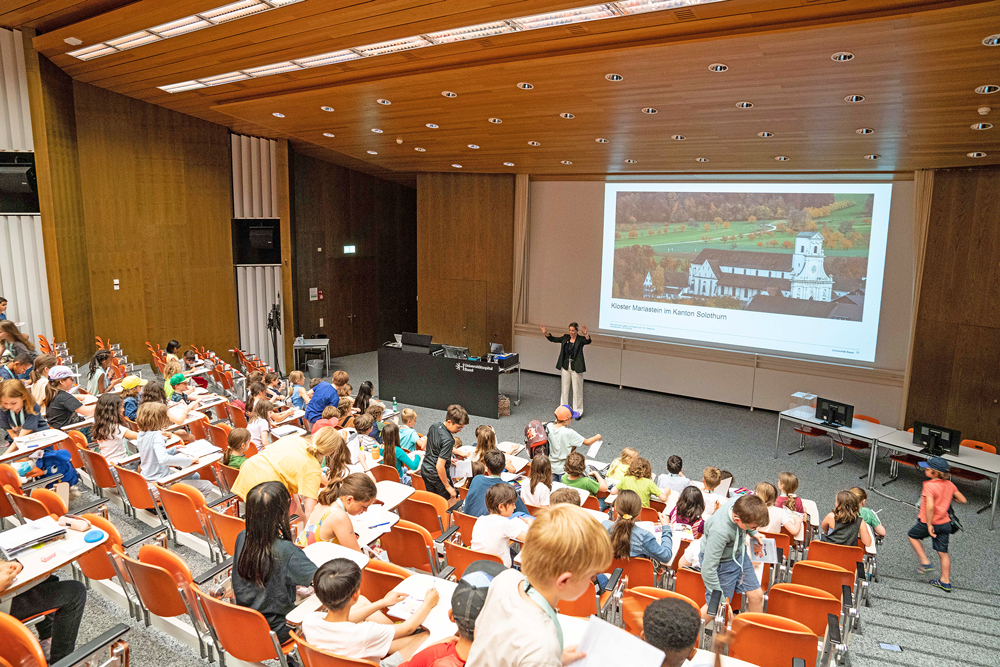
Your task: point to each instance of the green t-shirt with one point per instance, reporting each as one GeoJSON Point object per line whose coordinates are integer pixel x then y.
{"type": "Point", "coordinates": [870, 517]}
{"type": "Point", "coordinates": [236, 461]}
{"type": "Point", "coordinates": [644, 487]}
{"type": "Point", "coordinates": [588, 484]}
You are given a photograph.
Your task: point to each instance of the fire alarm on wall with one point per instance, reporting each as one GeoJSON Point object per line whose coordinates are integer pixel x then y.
{"type": "Point", "coordinates": [319, 293]}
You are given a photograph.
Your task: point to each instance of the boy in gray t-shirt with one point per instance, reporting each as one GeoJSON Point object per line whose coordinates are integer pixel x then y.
{"type": "Point", "coordinates": [563, 440]}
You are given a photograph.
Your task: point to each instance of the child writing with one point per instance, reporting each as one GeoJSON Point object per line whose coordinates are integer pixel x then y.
{"type": "Point", "coordinates": [575, 467]}
{"type": "Point", "coordinates": [61, 407]}
{"type": "Point", "coordinates": [492, 532]}
{"type": "Point", "coordinates": [155, 458]}
{"type": "Point", "coordinates": [40, 377]}
{"type": "Point", "coordinates": [933, 519]}
{"type": "Point", "coordinates": [259, 423]}
{"type": "Point", "coordinates": [565, 495]}
{"type": "Point", "coordinates": [844, 525]}
{"type": "Point", "coordinates": [475, 500]}
{"type": "Point", "coordinates": [300, 397]}
{"type": "Point", "coordinates": [361, 631]}
{"type": "Point", "coordinates": [868, 516]}
{"type": "Point", "coordinates": [330, 520]}
{"type": "Point", "coordinates": [689, 511]}
{"type": "Point", "coordinates": [788, 484]}
{"type": "Point", "coordinates": [171, 369]}
{"type": "Point", "coordinates": [639, 478]}
{"type": "Point", "coordinates": [131, 386]}
{"type": "Point", "coordinates": [629, 540]}
{"type": "Point", "coordinates": [109, 430]}
{"type": "Point", "coordinates": [15, 367]}
{"type": "Point", "coordinates": [710, 478]}
{"type": "Point", "coordinates": [486, 441]}
{"type": "Point", "coordinates": [619, 467]}
{"type": "Point", "coordinates": [237, 443]}
{"type": "Point", "coordinates": [778, 517]}
{"type": "Point", "coordinates": [375, 411]}
{"type": "Point", "coordinates": [674, 478]}
{"type": "Point", "coordinates": [538, 490]}
{"type": "Point", "coordinates": [273, 383]}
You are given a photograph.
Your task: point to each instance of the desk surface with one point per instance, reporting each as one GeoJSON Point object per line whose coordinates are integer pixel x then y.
{"type": "Point", "coordinates": [76, 426]}
{"type": "Point", "coordinates": [860, 427]}
{"type": "Point", "coordinates": [391, 494]}
{"type": "Point", "coordinates": [312, 342]}
{"type": "Point", "coordinates": [372, 523]}
{"type": "Point", "coordinates": [437, 622]}
{"type": "Point", "coordinates": [190, 470]}
{"type": "Point", "coordinates": [66, 551]}
{"type": "Point", "coordinates": [968, 457]}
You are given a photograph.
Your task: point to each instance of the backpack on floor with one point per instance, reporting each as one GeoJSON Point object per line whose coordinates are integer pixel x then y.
{"type": "Point", "coordinates": [536, 438]}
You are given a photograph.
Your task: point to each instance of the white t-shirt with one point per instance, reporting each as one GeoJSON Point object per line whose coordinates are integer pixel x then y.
{"type": "Point", "coordinates": [710, 500]}
{"type": "Point", "coordinates": [492, 534]}
{"type": "Point", "coordinates": [114, 449]}
{"type": "Point", "coordinates": [540, 498]}
{"type": "Point", "coordinates": [257, 428]}
{"type": "Point", "coordinates": [361, 641]}
{"type": "Point", "coordinates": [776, 517]}
{"type": "Point", "coordinates": [673, 482]}
{"type": "Point", "coordinates": [563, 441]}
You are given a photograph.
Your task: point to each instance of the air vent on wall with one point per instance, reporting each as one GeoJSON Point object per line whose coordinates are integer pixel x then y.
{"type": "Point", "coordinates": [485, 43]}
{"type": "Point", "coordinates": [685, 15]}
{"type": "Point", "coordinates": [577, 30]}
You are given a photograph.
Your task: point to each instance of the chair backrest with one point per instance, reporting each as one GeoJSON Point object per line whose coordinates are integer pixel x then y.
{"type": "Point", "coordinates": [823, 576]}
{"type": "Point", "coordinates": [648, 514]}
{"type": "Point", "coordinates": [30, 508]}
{"type": "Point", "coordinates": [426, 509]}
{"type": "Point", "coordinates": [689, 584]}
{"type": "Point", "coordinates": [460, 557]}
{"type": "Point", "coordinates": [463, 491]}
{"type": "Point", "coordinates": [465, 525]}
{"type": "Point", "coordinates": [591, 503]}
{"type": "Point", "coordinates": [867, 419]}
{"type": "Point", "coordinates": [640, 571]}
{"type": "Point", "coordinates": [95, 563]}
{"type": "Point", "coordinates": [99, 469]}
{"type": "Point", "coordinates": [805, 604]}
{"type": "Point", "coordinates": [379, 577]}
{"type": "Point", "coordinates": [407, 545]}
{"type": "Point", "coordinates": [136, 489]}
{"type": "Point", "coordinates": [315, 657]}
{"type": "Point", "coordinates": [76, 442]}
{"type": "Point", "coordinates": [582, 607]}
{"type": "Point", "coordinates": [183, 507]}
{"type": "Point", "coordinates": [383, 473]}
{"type": "Point", "coordinates": [981, 446]}
{"type": "Point", "coordinates": [217, 435]}
{"type": "Point", "coordinates": [635, 601]}
{"type": "Point", "coordinates": [229, 474]}
{"type": "Point", "coordinates": [197, 428]}
{"type": "Point", "coordinates": [840, 555]}
{"type": "Point", "coordinates": [532, 510]}
{"type": "Point", "coordinates": [227, 528]}
{"type": "Point", "coordinates": [242, 632]}
{"type": "Point", "coordinates": [782, 541]}
{"type": "Point", "coordinates": [766, 639]}
{"type": "Point", "coordinates": [51, 500]}
{"type": "Point", "coordinates": [156, 586]}
{"type": "Point", "coordinates": [18, 645]}
{"type": "Point", "coordinates": [417, 481]}
{"type": "Point", "coordinates": [8, 477]}
{"type": "Point", "coordinates": [237, 416]}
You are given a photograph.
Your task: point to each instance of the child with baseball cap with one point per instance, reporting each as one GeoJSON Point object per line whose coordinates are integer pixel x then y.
{"type": "Point", "coordinates": [933, 520]}
{"type": "Point", "coordinates": [61, 407]}
{"type": "Point", "coordinates": [563, 441]}
{"type": "Point", "coordinates": [131, 386]}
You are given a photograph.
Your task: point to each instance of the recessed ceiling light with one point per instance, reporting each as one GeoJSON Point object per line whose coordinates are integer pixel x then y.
{"type": "Point", "coordinates": [678, 137]}
{"type": "Point", "coordinates": [765, 134]}
{"type": "Point", "coordinates": [649, 110]}
{"type": "Point", "coordinates": [873, 156]}
{"type": "Point", "coordinates": [383, 101]}
{"type": "Point", "coordinates": [701, 159]}
{"type": "Point", "coordinates": [987, 89]}
{"type": "Point", "coordinates": [782, 158]}
{"type": "Point", "coordinates": [744, 105]}
{"type": "Point", "coordinates": [601, 140]}
{"type": "Point", "coordinates": [327, 134]}
{"type": "Point", "coordinates": [982, 126]}
{"type": "Point", "coordinates": [842, 56]}
{"type": "Point", "coordinates": [525, 86]}
{"type": "Point", "coordinates": [976, 154]}
{"type": "Point", "coordinates": [718, 67]}
{"type": "Point", "coordinates": [567, 116]}
{"type": "Point", "coordinates": [457, 166]}
{"type": "Point", "coordinates": [278, 115]}
{"type": "Point", "coordinates": [613, 77]}
{"type": "Point", "coordinates": [73, 41]}
{"type": "Point", "coordinates": [420, 150]}
{"type": "Point", "coordinates": [865, 130]}
{"type": "Point", "coordinates": [508, 164]}
{"type": "Point", "coordinates": [326, 108]}
{"type": "Point", "coordinates": [448, 93]}
{"type": "Point", "coordinates": [495, 121]}
{"type": "Point", "coordinates": [433, 126]}
{"type": "Point", "coordinates": [376, 130]}
{"type": "Point", "coordinates": [629, 161]}
{"type": "Point", "coordinates": [473, 146]}
{"type": "Point", "coordinates": [565, 162]}
{"type": "Point", "coordinates": [373, 152]}
{"type": "Point", "coordinates": [992, 40]}
{"type": "Point", "coordinates": [534, 143]}
{"type": "Point", "coordinates": [854, 98]}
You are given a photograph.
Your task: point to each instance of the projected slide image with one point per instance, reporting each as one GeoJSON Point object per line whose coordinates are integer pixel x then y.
{"type": "Point", "coordinates": [803, 254]}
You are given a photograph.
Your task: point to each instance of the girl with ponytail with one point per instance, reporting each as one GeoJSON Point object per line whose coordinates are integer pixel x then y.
{"type": "Point", "coordinates": [629, 540]}
{"type": "Point", "coordinates": [330, 521]}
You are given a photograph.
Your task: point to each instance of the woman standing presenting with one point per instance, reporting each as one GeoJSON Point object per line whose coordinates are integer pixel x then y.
{"type": "Point", "coordinates": [571, 364]}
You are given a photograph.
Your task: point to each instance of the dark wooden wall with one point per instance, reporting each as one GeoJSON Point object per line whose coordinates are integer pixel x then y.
{"type": "Point", "coordinates": [956, 352]}
{"type": "Point", "coordinates": [465, 233]}
{"type": "Point", "coordinates": [368, 296]}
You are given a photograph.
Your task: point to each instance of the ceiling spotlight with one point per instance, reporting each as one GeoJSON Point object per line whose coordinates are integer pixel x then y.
{"type": "Point", "coordinates": [842, 56]}
{"type": "Point", "coordinates": [327, 108]}
{"type": "Point", "coordinates": [433, 126]}
{"type": "Point", "coordinates": [508, 164]}
{"type": "Point", "coordinates": [473, 146]}
{"type": "Point", "coordinates": [601, 140]}
{"type": "Point", "coordinates": [613, 77]}
{"type": "Point", "coordinates": [525, 86]}
{"type": "Point", "coordinates": [629, 161]}
{"type": "Point", "coordinates": [701, 159]}
{"type": "Point", "coordinates": [782, 158]}
{"type": "Point", "coordinates": [865, 130]}
{"type": "Point", "coordinates": [992, 40]}
{"type": "Point", "coordinates": [678, 137]}
{"type": "Point", "coordinates": [399, 140]}
{"type": "Point", "coordinates": [278, 115]}
{"type": "Point", "coordinates": [383, 101]}
{"type": "Point", "coordinates": [373, 152]}
{"type": "Point", "coordinates": [327, 134]}
{"type": "Point", "coordinates": [854, 98]}
{"type": "Point", "coordinates": [987, 89]}
{"type": "Point", "coordinates": [649, 110]}
{"type": "Point", "coordinates": [744, 105]}
{"type": "Point", "coordinates": [567, 116]}
{"type": "Point", "coordinates": [376, 130]}
{"type": "Point", "coordinates": [534, 143]}
{"type": "Point", "coordinates": [982, 126]}
{"type": "Point", "coordinates": [448, 93]}
{"type": "Point", "coordinates": [565, 162]}
{"type": "Point", "coordinates": [420, 150]}
{"type": "Point", "coordinates": [976, 154]}
{"type": "Point", "coordinates": [495, 121]}
{"type": "Point", "coordinates": [457, 166]}
{"type": "Point", "coordinates": [718, 67]}
{"type": "Point", "coordinates": [765, 134]}
{"type": "Point", "coordinates": [873, 156]}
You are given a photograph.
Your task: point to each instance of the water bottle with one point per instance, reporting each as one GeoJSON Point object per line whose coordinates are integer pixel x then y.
{"type": "Point", "coordinates": [395, 408]}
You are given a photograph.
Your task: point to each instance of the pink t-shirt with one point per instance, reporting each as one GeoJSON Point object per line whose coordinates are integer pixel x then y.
{"type": "Point", "coordinates": [941, 492]}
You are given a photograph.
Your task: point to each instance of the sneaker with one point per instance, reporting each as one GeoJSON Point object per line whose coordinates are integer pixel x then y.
{"type": "Point", "coordinates": [924, 569]}
{"type": "Point", "coordinates": [74, 492]}
{"type": "Point", "coordinates": [943, 586]}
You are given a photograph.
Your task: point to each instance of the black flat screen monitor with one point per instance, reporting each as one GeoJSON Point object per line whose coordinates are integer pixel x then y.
{"type": "Point", "coordinates": [833, 413]}
{"type": "Point", "coordinates": [417, 343]}
{"type": "Point", "coordinates": [496, 348]}
{"type": "Point", "coordinates": [936, 440]}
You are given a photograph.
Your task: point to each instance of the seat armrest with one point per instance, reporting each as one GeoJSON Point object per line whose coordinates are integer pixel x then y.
{"type": "Point", "coordinates": [90, 508]}
{"type": "Point", "coordinates": [457, 506]}
{"type": "Point", "coordinates": [848, 599]}
{"type": "Point", "coordinates": [41, 481]}
{"type": "Point", "coordinates": [85, 652]}
{"type": "Point", "coordinates": [445, 572]}
{"type": "Point", "coordinates": [833, 623]}
{"type": "Point", "coordinates": [713, 603]}
{"type": "Point", "coordinates": [443, 537]}
{"type": "Point", "coordinates": [152, 532]}
{"type": "Point", "coordinates": [862, 574]}
{"type": "Point", "coordinates": [208, 575]}
{"type": "Point", "coordinates": [227, 497]}
{"type": "Point", "coordinates": [613, 580]}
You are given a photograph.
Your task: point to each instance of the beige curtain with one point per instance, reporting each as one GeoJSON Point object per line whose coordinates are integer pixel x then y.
{"type": "Point", "coordinates": [923, 196]}
{"type": "Point", "coordinates": [520, 311]}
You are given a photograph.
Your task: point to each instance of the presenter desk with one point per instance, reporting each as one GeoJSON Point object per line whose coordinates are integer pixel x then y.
{"type": "Point", "coordinates": [860, 430]}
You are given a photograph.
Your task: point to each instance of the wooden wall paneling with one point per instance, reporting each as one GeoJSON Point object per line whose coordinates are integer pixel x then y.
{"type": "Point", "coordinates": [54, 133]}
{"type": "Point", "coordinates": [396, 270]}
{"type": "Point", "coordinates": [278, 196]}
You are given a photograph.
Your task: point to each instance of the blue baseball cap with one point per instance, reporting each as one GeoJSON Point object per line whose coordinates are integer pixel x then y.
{"type": "Point", "coordinates": [935, 463]}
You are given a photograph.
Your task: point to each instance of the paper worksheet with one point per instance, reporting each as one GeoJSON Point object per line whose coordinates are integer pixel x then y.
{"type": "Point", "coordinates": [769, 551]}
{"type": "Point", "coordinates": [594, 448]}
{"type": "Point", "coordinates": [607, 645]}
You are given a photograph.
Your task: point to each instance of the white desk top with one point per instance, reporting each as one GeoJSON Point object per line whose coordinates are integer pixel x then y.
{"type": "Point", "coordinates": [295, 414]}
{"type": "Point", "coordinates": [211, 401]}
{"type": "Point", "coordinates": [286, 430]}
{"type": "Point", "coordinates": [76, 426]}
{"type": "Point", "coordinates": [195, 371]}
{"type": "Point", "coordinates": [391, 494]}
{"type": "Point", "coordinates": [192, 416]}
{"type": "Point", "coordinates": [968, 457]}
{"type": "Point", "coordinates": [87, 399]}
{"type": "Point", "coordinates": [66, 551]}
{"type": "Point", "coordinates": [185, 472]}
{"type": "Point", "coordinates": [437, 622]}
{"type": "Point", "coordinates": [312, 342]}
{"type": "Point", "coordinates": [372, 523]}
{"type": "Point", "coordinates": [861, 428]}
{"type": "Point", "coordinates": [320, 553]}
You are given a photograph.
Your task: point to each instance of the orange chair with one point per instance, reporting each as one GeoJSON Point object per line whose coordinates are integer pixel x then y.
{"type": "Point", "coordinates": [689, 584]}
{"type": "Point", "coordinates": [460, 557]}
{"type": "Point", "coordinates": [100, 472]}
{"type": "Point", "coordinates": [969, 475]}
{"type": "Point", "coordinates": [410, 545]}
{"type": "Point", "coordinates": [852, 444]}
{"type": "Point", "coordinates": [824, 576]}
{"type": "Point", "coordinates": [379, 577]}
{"type": "Point", "coordinates": [226, 528]}
{"type": "Point", "coordinates": [229, 475]}
{"type": "Point", "coordinates": [426, 509]}
{"type": "Point", "coordinates": [465, 525]}
{"type": "Point", "coordinates": [417, 481]}
{"type": "Point", "coordinates": [8, 477]}
{"type": "Point", "coordinates": [186, 509]}
{"type": "Point", "coordinates": [648, 514]}
{"type": "Point", "coordinates": [236, 416]}
{"type": "Point", "coordinates": [532, 510]}
{"type": "Point", "coordinates": [29, 508]}
{"type": "Point", "coordinates": [638, 571]}
{"type": "Point", "coordinates": [384, 473]}
{"type": "Point", "coordinates": [766, 639]}
{"type": "Point", "coordinates": [137, 494]}
{"type": "Point", "coordinates": [197, 428]}
{"type": "Point", "coordinates": [810, 432]}
{"type": "Point", "coordinates": [315, 657]}
{"type": "Point", "coordinates": [241, 632]}
{"type": "Point", "coordinates": [805, 604]}
{"type": "Point", "coordinates": [591, 602]}
{"type": "Point", "coordinates": [77, 442]}
{"type": "Point", "coordinates": [463, 492]}
{"type": "Point", "coordinates": [218, 434]}
{"type": "Point", "coordinates": [836, 554]}
{"type": "Point", "coordinates": [591, 503]}
{"type": "Point", "coordinates": [635, 601]}
{"type": "Point", "coordinates": [20, 648]}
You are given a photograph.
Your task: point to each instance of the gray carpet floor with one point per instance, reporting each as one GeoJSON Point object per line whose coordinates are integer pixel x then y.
{"type": "Point", "coordinates": [932, 627]}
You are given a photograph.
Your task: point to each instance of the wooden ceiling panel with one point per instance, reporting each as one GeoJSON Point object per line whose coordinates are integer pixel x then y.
{"type": "Point", "coordinates": [46, 15]}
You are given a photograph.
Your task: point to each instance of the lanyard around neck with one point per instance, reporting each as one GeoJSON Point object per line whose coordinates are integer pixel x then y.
{"type": "Point", "coordinates": [539, 599]}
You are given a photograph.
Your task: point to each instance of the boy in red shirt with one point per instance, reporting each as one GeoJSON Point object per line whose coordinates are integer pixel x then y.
{"type": "Point", "coordinates": [933, 520]}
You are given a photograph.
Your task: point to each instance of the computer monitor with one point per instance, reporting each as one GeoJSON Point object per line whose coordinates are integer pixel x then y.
{"type": "Point", "coordinates": [936, 440]}
{"type": "Point", "coordinates": [416, 343]}
{"type": "Point", "coordinates": [496, 348]}
{"type": "Point", "coordinates": [455, 352]}
{"type": "Point", "coordinates": [832, 413]}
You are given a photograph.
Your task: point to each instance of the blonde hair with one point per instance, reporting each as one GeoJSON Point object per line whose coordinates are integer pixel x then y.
{"type": "Point", "coordinates": [564, 538]}
{"type": "Point", "coordinates": [789, 484]}
{"type": "Point", "coordinates": [408, 415]}
{"type": "Point", "coordinates": [328, 444]}
{"type": "Point", "coordinates": [16, 389]}
{"type": "Point", "coordinates": [628, 455]}
{"type": "Point", "coordinates": [295, 377]}
{"type": "Point", "coordinates": [486, 439]}
{"type": "Point", "coordinates": [375, 410]}
{"type": "Point", "coordinates": [711, 476]}
{"type": "Point", "coordinates": [766, 492]}
{"type": "Point", "coordinates": [261, 409]}
{"type": "Point", "coordinates": [152, 416]}
{"type": "Point", "coordinates": [172, 368]}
